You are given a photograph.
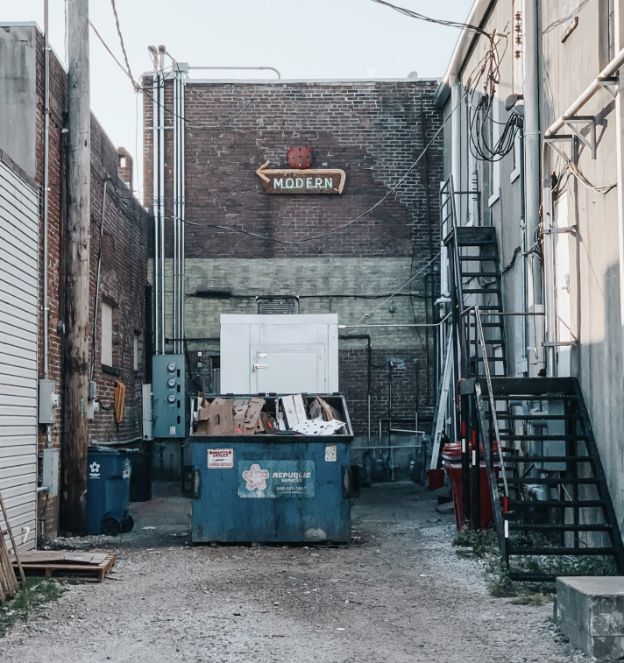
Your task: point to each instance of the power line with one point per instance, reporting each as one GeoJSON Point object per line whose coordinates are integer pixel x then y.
{"type": "Point", "coordinates": [438, 21]}
{"type": "Point", "coordinates": [137, 87]}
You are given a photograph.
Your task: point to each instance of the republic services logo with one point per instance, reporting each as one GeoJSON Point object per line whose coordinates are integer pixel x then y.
{"type": "Point", "coordinates": [94, 469]}
{"type": "Point", "coordinates": [255, 477]}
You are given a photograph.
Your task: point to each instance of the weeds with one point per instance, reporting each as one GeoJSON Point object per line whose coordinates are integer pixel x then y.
{"type": "Point", "coordinates": [35, 592]}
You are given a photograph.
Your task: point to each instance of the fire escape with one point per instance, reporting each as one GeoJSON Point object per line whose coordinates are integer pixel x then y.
{"type": "Point", "coordinates": [552, 510]}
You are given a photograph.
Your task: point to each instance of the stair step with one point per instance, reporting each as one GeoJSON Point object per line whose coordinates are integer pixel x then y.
{"type": "Point", "coordinates": [533, 577]}
{"type": "Point", "coordinates": [566, 504]}
{"type": "Point", "coordinates": [471, 275]}
{"type": "Point", "coordinates": [478, 258]}
{"type": "Point", "coordinates": [547, 459]}
{"type": "Point", "coordinates": [480, 291]}
{"type": "Point", "coordinates": [485, 325]}
{"type": "Point", "coordinates": [535, 416]}
{"type": "Point", "coordinates": [512, 550]}
{"type": "Point", "coordinates": [543, 438]}
{"type": "Point", "coordinates": [554, 481]}
{"type": "Point", "coordinates": [566, 527]}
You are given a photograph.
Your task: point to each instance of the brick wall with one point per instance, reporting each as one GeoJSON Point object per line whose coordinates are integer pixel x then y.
{"type": "Point", "coordinates": [123, 272]}
{"type": "Point", "coordinates": [374, 131]}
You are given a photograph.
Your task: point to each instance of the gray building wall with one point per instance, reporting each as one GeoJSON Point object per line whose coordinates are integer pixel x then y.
{"type": "Point", "coordinates": [574, 49]}
{"type": "Point", "coordinates": [18, 56]}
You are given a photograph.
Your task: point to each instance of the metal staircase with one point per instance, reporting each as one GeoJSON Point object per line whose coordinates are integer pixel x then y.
{"type": "Point", "coordinates": [556, 511]}
{"type": "Point", "coordinates": [551, 505]}
{"type": "Point", "coordinates": [476, 280]}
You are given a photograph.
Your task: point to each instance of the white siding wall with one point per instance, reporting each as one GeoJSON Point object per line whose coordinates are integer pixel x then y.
{"type": "Point", "coordinates": [19, 245]}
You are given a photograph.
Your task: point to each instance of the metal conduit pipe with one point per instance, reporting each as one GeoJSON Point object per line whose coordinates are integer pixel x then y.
{"type": "Point", "coordinates": [46, 192]}
{"type": "Point", "coordinates": [155, 211]}
{"type": "Point", "coordinates": [619, 129]}
{"type": "Point", "coordinates": [161, 187]}
{"type": "Point", "coordinates": [174, 219]}
{"type": "Point", "coordinates": [182, 205]}
{"type": "Point", "coordinates": [46, 205]}
{"type": "Point", "coordinates": [243, 68]}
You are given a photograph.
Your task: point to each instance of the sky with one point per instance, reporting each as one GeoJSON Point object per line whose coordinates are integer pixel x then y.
{"type": "Point", "coordinates": [342, 39]}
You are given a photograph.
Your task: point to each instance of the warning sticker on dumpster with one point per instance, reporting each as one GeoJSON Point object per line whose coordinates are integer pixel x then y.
{"type": "Point", "coordinates": [220, 459]}
{"type": "Point", "coordinates": [330, 453]}
{"type": "Point", "coordinates": [276, 478]}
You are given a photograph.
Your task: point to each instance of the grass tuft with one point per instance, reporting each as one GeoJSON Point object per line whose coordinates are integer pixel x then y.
{"type": "Point", "coordinates": [35, 592]}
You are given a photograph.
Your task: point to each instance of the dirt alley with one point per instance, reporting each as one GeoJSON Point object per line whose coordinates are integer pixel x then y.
{"type": "Point", "coordinates": [398, 594]}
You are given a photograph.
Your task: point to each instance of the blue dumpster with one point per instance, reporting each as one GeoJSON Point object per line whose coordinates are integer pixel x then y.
{"type": "Point", "coordinates": [108, 491]}
{"type": "Point", "coordinates": [273, 488]}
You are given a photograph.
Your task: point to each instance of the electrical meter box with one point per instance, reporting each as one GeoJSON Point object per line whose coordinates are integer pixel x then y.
{"type": "Point", "coordinates": [168, 396]}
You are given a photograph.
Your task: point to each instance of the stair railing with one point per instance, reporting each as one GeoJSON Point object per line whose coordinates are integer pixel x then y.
{"type": "Point", "coordinates": [502, 526]}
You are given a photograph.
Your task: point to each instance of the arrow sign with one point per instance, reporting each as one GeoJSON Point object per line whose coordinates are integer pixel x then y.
{"type": "Point", "coordinates": [312, 180]}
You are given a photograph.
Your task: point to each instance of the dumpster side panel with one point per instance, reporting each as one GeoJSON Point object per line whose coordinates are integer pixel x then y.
{"type": "Point", "coordinates": [270, 492]}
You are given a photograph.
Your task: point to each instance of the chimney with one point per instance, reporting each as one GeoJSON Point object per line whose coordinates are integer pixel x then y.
{"type": "Point", "coordinates": [124, 166]}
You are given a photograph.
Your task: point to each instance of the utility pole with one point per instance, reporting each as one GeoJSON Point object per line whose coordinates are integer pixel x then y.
{"type": "Point", "coordinates": [77, 287]}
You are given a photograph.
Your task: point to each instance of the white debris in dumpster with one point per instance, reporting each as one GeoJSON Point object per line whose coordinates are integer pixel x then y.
{"type": "Point", "coordinates": [318, 427]}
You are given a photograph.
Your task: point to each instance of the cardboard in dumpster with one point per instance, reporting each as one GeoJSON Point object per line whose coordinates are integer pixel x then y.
{"type": "Point", "coordinates": [221, 417]}
{"type": "Point", "coordinates": [321, 408]}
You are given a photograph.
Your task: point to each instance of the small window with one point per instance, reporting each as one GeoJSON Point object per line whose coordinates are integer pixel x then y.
{"type": "Point", "coordinates": [136, 346]}
{"type": "Point", "coordinates": [107, 334]}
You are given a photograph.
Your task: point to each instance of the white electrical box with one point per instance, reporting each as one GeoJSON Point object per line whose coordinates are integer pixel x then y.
{"type": "Point", "coordinates": [50, 471]}
{"type": "Point", "coordinates": [279, 354]}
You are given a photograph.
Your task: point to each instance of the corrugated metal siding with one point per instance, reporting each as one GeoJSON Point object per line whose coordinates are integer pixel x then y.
{"type": "Point", "coordinates": [19, 249]}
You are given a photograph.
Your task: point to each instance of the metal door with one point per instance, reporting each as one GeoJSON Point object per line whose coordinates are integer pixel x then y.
{"type": "Point", "coordinates": [288, 368]}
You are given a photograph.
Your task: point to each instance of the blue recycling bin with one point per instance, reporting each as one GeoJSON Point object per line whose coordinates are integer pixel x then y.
{"type": "Point", "coordinates": [108, 491]}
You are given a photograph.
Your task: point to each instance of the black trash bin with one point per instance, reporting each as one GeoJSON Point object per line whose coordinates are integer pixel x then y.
{"type": "Point", "coordinates": [141, 478]}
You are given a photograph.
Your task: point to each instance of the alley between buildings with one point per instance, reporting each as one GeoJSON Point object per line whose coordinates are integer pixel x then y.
{"type": "Point", "coordinates": [399, 593]}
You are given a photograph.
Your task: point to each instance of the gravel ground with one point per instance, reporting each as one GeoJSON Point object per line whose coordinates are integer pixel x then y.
{"type": "Point", "coordinates": [398, 594]}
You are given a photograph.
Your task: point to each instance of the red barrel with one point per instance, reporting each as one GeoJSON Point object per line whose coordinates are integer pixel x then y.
{"type": "Point", "coordinates": [452, 457]}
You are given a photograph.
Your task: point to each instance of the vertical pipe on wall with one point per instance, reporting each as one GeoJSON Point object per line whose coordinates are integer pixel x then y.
{"type": "Point", "coordinates": [161, 188]}
{"type": "Point", "coordinates": [549, 280]}
{"type": "Point", "coordinates": [156, 210]}
{"type": "Point", "coordinates": [46, 191]}
{"type": "Point", "coordinates": [532, 152]}
{"type": "Point", "coordinates": [174, 224]}
{"type": "Point", "coordinates": [619, 130]}
{"type": "Point", "coordinates": [182, 209]}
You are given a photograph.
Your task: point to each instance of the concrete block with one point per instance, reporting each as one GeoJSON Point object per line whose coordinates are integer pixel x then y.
{"type": "Point", "coordinates": [590, 612]}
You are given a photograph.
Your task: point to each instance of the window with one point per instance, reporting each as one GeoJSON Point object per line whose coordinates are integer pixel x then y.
{"type": "Point", "coordinates": [107, 334]}
{"type": "Point", "coordinates": [136, 346]}
{"type": "Point", "coordinates": [607, 31]}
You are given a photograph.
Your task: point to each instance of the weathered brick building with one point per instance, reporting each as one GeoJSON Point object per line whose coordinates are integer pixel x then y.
{"type": "Point", "coordinates": [118, 244]}
{"type": "Point", "coordinates": [351, 254]}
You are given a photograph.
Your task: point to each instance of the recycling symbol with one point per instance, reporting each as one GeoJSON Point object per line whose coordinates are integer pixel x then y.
{"type": "Point", "coordinates": [94, 469]}
{"type": "Point", "coordinates": [256, 477]}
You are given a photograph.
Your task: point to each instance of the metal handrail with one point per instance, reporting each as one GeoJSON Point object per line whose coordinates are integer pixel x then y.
{"type": "Point", "coordinates": [488, 381]}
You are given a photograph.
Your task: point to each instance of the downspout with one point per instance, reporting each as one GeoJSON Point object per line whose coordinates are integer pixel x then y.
{"type": "Point", "coordinates": [46, 205]}
{"type": "Point", "coordinates": [532, 180]}
{"type": "Point", "coordinates": [619, 128]}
